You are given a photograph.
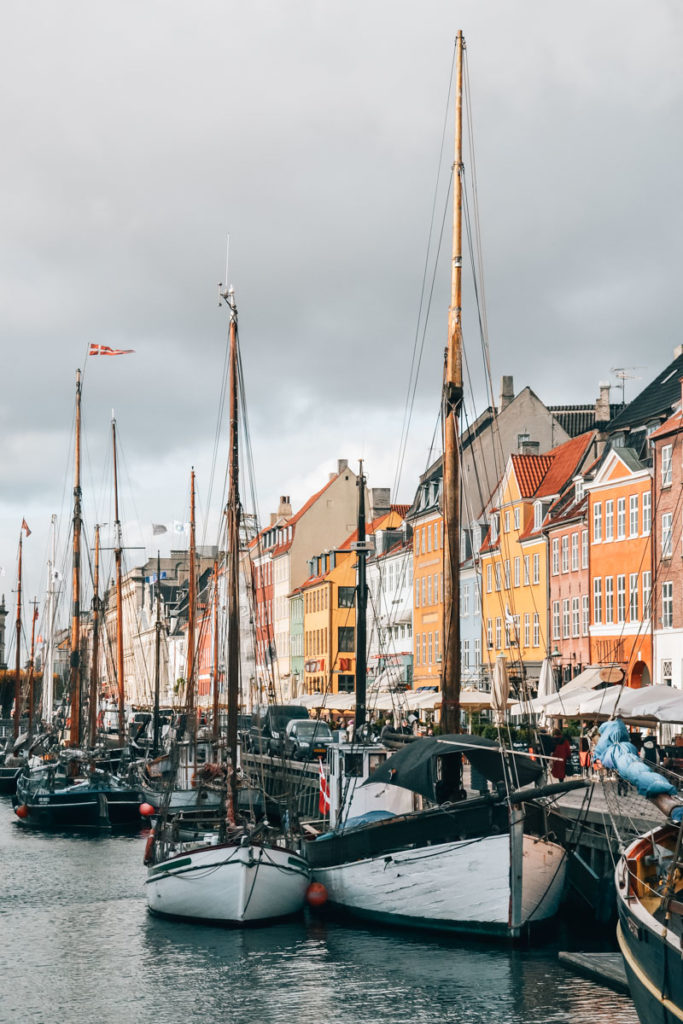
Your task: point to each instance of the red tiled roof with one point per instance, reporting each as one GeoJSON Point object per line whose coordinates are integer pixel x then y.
{"type": "Point", "coordinates": [566, 458]}
{"type": "Point", "coordinates": [530, 470]}
{"type": "Point", "coordinates": [401, 510]}
{"type": "Point", "coordinates": [670, 426]}
{"type": "Point", "coordinates": [370, 528]}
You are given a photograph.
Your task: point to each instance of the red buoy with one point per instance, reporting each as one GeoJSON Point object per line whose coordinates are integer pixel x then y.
{"type": "Point", "coordinates": [21, 811]}
{"type": "Point", "coordinates": [146, 810]}
{"type": "Point", "coordinates": [316, 894]}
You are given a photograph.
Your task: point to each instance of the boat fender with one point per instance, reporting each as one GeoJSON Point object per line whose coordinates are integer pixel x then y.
{"type": "Point", "coordinates": [146, 810]}
{"type": "Point", "coordinates": [316, 894]}
{"type": "Point", "coordinates": [21, 811]}
{"type": "Point", "coordinates": [149, 849]}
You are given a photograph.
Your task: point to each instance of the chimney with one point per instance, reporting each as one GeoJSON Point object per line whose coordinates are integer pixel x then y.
{"type": "Point", "coordinates": [342, 464]}
{"type": "Point", "coordinates": [507, 392]}
{"type": "Point", "coordinates": [273, 519]}
{"type": "Point", "coordinates": [678, 351]}
{"type": "Point", "coordinates": [284, 509]}
{"type": "Point", "coordinates": [525, 446]}
{"type": "Point", "coordinates": [602, 410]}
{"type": "Point", "coordinates": [380, 501]}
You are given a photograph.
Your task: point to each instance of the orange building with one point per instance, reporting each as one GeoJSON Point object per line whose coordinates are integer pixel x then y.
{"type": "Point", "coordinates": [620, 524]}
{"type": "Point", "coordinates": [427, 523]}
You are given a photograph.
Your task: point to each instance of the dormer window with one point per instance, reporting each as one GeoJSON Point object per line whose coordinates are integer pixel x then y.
{"type": "Point", "coordinates": [578, 487]}
{"type": "Point", "coordinates": [538, 514]}
{"type": "Point", "coordinates": [494, 528]}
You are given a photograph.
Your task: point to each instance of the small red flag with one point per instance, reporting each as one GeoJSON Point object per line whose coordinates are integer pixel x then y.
{"type": "Point", "coordinates": [24, 526]}
{"type": "Point", "coordinates": [324, 800]}
{"type": "Point", "coordinates": [105, 350]}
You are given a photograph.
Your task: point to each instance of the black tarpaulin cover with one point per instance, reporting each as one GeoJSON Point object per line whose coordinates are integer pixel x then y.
{"type": "Point", "coordinates": [416, 766]}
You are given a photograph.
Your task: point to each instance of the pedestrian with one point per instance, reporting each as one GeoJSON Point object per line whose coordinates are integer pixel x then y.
{"type": "Point", "coordinates": [560, 755]}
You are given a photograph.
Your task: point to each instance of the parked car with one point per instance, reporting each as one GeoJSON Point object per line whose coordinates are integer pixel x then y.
{"type": "Point", "coordinates": [307, 740]}
{"type": "Point", "coordinates": [266, 735]}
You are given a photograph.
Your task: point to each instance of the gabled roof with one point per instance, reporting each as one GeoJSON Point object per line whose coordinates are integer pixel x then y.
{"type": "Point", "coordinates": [567, 458]}
{"type": "Point", "coordinates": [655, 401]}
{"type": "Point", "coordinates": [673, 425]}
{"type": "Point", "coordinates": [529, 472]}
{"type": "Point", "coordinates": [279, 549]}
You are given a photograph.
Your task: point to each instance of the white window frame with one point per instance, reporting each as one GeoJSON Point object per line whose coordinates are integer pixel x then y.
{"type": "Point", "coordinates": [597, 522]}
{"type": "Point", "coordinates": [633, 513]}
{"type": "Point", "coordinates": [621, 518]}
{"type": "Point", "coordinates": [609, 520]}
{"type": "Point", "coordinates": [667, 464]}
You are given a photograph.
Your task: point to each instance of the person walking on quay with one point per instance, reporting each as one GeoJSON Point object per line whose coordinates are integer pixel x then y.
{"type": "Point", "coordinates": [560, 755]}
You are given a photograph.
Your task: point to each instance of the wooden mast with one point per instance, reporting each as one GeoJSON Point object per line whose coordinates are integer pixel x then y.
{"type": "Point", "coordinates": [75, 659]}
{"type": "Point", "coordinates": [452, 398]}
{"type": "Point", "coordinates": [233, 541]}
{"type": "Point", "coordinates": [215, 651]}
{"type": "Point", "coordinates": [157, 663]}
{"type": "Point", "coordinates": [94, 667]}
{"type": "Point", "coordinates": [31, 668]}
{"type": "Point", "coordinates": [48, 666]}
{"type": "Point", "coordinates": [118, 550]}
{"type": "Point", "coordinates": [17, 659]}
{"type": "Point", "coordinates": [191, 621]}
{"type": "Point", "coordinates": [361, 608]}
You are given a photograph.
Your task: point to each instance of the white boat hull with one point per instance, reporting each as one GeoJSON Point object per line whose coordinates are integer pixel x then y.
{"type": "Point", "coordinates": [229, 884]}
{"type": "Point", "coordinates": [458, 886]}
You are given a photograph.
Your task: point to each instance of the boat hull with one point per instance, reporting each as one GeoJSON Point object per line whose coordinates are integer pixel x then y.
{"type": "Point", "coordinates": [228, 884]}
{"type": "Point", "coordinates": [79, 807]}
{"type": "Point", "coordinates": [459, 886]}
{"type": "Point", "coordinates": [8, 780]}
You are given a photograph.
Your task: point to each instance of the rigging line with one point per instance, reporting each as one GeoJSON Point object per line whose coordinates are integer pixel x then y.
{"type": "Point", "coordinates": [415, 362]}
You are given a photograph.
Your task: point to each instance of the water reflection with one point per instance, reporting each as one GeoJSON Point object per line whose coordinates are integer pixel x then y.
{"type": "Point", "coordinates": [82, 948]}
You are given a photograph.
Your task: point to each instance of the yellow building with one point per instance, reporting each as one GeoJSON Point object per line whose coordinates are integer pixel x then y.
{"type": "Point", "coordinates": [514, 556]}
{"type": "Point", "coordinates": [330, 624]}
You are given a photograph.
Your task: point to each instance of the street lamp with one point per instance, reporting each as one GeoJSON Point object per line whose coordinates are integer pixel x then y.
{"type": "Point", "coordinates": [555, 656]}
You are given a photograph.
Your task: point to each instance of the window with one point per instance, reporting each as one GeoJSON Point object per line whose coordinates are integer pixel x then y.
{"type": "Point", "coordinates": [621, 518]}
{"type": "Point", "coordinates": [516, 519]}
{"type": "Point", "coordinates": [515, 629]}
{"type": "Point", "coordinates": [507, 522]}
{"type": "Point", "coordinates": [526, 570]}
{"type": "Point", "coordinates": [565, 618]}
{"type": "Point", "coordinates": [494, 528]}
{"type": "Point", "coordinates": [538, 515]}
{"type": "Point", "coordinates": [465, 599]}
{"type": "Point", "coordinates": [346, 638]}
{"type": "Point", "coordinates": [497, 575]}
{"type": "Point", "coordinates": [527, 630]}
{"type": "Point", "coordinates": [575, 552]}
{"type": "Point", "coordinates": [597, 600]}
{"type": "Point", "coordinates": [633, 597]}
{"type": "Point", "coordinates": [424, 591]}
{"type": "Point", "coordinates": [424, 648]}
{"type": "Point", "coordinates": [417, 593]}
{"type": "Point", "coordinates": [437, 656]}
{"type": "Point", "coordinates": [633, 515]}
{"type": "Point", "coordinates": [585, 614]}
{"type": "Point", "coordinates": [621, 598]}
{"type": "Point", "coordinates": [556, 556]}
{"type": "Point", "coordinates": [507, 573]}
{"type": "Point", "coordinates": [489, 578]}
{"type": "Point", "coordinates": [429, 650]}
{"type": "Point", "coordinates": [576, 617]}
{"type": "Point", "coordinates": [429, 590]}
{"type": "Point", "coordinates": [489, 633]}
{"type": "Point", "coordinates": [667, 674]}
{"type": "Point", "coordinates": [346, 597]}
{"type": "Point", "coordinates": [597, 522]}
{"type": "Point", "coordinates": [667, 534]}
{"type": "Point", "coordinates": [667, 604]}
{"type": "Point", "coordinates": [647, 513]}
{"type": "Point", "coordinates": [465, 654]}
{"type": "Point", "coordinates": [666, 465]}
{"type": "Point", "coordinates": [565, 553]}
{"type": "Point", "coordinates": [517, 561]}
{"type": "Point", "coordinates": [609, 520]}
{"type": "Point", "coordinates": [537, 630]}
{"type": "Point", "coordinates": [578, 489]}
{"type": "Point", "coordinates": [537, 568]}
{"type": "Point", "coordinates": [556, 620]}
{"type": "Point", "coordinates": [609, 599]}
{"type": "Point", "coordinates": [647, 594]}
{"type": "Point", "coordinates": [477, 653]}
{"type": "Point", "coordinates": [498, 633]}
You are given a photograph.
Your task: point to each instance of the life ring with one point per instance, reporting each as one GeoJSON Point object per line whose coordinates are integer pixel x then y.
{"type": "Point", "coordinates": [149, 849]}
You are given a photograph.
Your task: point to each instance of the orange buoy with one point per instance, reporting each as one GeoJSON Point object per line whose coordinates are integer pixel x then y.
{"type": "Point", "coordinates": [146, 810]}
{"type": "Point", "coordinates": [21, 811]}
{"type": "Point", "coordinates": [149, 849]}
{"type": "Point", "coordinates": [316, 894]}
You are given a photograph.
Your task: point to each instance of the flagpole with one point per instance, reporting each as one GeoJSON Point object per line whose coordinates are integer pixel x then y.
{"type": "Point", "coordinates": [17, 660]}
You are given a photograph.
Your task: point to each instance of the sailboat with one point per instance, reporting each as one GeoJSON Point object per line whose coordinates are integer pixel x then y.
{"type": "Point", "coordinates": [13, 759]}
{"type": "Point", "coordinates": [232, 871]}
{"type": "Point", "coordinates": [71, 791]}
{"type": "Point", "coordinates": [461, 864]}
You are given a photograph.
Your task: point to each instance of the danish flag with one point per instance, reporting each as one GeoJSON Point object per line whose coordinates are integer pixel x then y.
{"type": "Point", "coordinates": [105, 350]}
{"type": "Point", "coordinates": [324, 800]}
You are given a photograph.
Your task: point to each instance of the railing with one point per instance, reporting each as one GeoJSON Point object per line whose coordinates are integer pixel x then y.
{"type": "Point", "coordinates": [295, 784]}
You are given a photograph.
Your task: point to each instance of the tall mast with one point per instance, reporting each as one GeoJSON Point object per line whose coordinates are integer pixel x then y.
{"type": "Point", "coordinates": [361, 607]}
{"type": "Point", "coordinates": [75, 661]}
{"type": "Point", "coordinates": [233, 531]}
{"type": "Point", "coordinates": [215, 651]}
{"type": "Point", "coordinates": [17, 659]}
{"type": "Point", "coordinates": [48, 668]}
{"type": "Point", "coordinates": [157, 663]}
{"type": "Point", "coordinates": [191, 612]}
{"type": "Point", "coordinates": [94, 667]}
{"type": "Point", "coordinates": [31, 668]}
{"type": "Point", "coordinates": [118, 549]}
{"type": "Point", "coordinates": [452, 398]}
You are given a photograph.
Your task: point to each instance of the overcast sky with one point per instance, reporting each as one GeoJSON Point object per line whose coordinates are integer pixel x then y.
{"type": "Point", "coordinates": [136, 136]}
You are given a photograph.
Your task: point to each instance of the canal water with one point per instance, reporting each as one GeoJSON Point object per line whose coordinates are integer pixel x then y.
{"type": "Point", "coordinates": [78, 946]}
